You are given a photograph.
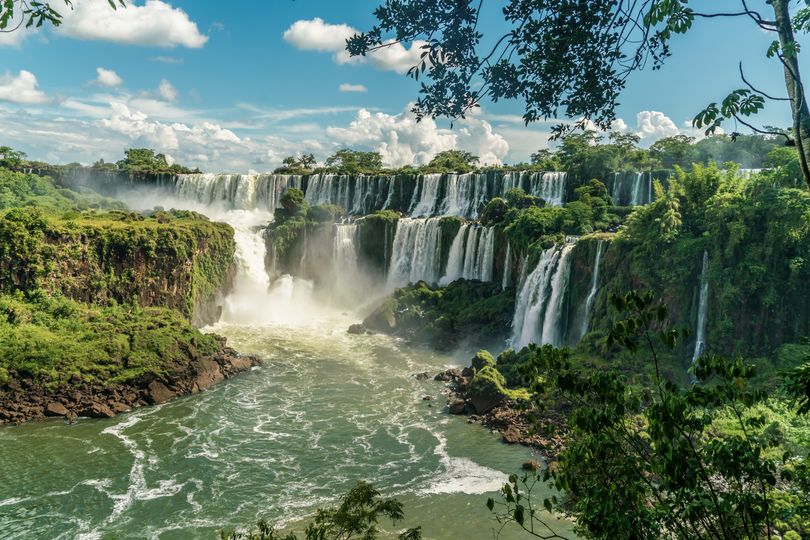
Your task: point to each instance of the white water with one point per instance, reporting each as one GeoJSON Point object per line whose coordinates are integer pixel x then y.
{"type": "Point", "coordinates": [541, 298]}
{"type": "Point", "coordinates": [507, 267]}
{"type": "Point", "coordinates": [428, 190]}
{"type": "Point", "coordinates": [415, 252]}
{"type": "Point", "coordinates": [700, 329]}
{"type": "Point", "coordinates": [586, 319]}
{"type": "Point", "coordinates": [233, 191]}
{"type": "Point", "coordinates": [633, 191]}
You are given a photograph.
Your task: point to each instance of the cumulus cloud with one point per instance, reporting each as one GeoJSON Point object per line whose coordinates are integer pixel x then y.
{"type": "Point", "coordinates": [108, 77]}
{"type": "Point", "coordinates": [167, 91]}
{"type": "Point", "coordinates": [346, 87]}
{"type": "Point", "coordinates": [401, 140]}
{"type": "Point", "coordinates": [318, 35]}
{"type": "Point", "coordinates": [654, 125]}
{"type": "Point", "coordinates": [155, 23]}
{"type": "Point", "coordinates": [21, 88]}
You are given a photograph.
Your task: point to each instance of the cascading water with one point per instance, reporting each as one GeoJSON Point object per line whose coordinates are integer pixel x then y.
{"type": "Point", "coordinates": [549, 186]}
{"type": "Point", "coordinates": [507, 267]}
{"type": "Point", "coordinates": [428, 196]}
{"type": "Point", "coordinates": [471, 255]}
{"type": "Point", "coordinates": [632, 188]}
{"type": "Point", "coordinates": [346, 268]}
{"type": "Point", "coordinates": [540, 300]}
{"type": "Point", "coordinates": [416, 252]}
{"type": "Point", "coordinates": [233, 191]}
{"type": "Point", "coordinates": [586, 318]}
{"type": "Point", "coordinates": [700, 330]}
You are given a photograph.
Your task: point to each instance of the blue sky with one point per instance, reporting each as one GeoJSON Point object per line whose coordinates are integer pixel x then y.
{"type": "Point", "coordinates": [235, 89]}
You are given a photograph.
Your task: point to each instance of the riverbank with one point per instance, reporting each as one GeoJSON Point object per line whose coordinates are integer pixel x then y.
{"type": "Point", "coordinates": [25, 400]}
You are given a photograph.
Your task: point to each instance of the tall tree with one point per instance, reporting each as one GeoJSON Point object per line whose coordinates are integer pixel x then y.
{"type": "Point", "coordinates": [572, 58]}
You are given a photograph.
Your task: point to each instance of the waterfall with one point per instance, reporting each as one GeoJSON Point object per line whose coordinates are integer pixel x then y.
{"type": "Point", "coordinates": [252, 280]}
{"type": "Point", "coordinates": [586, 318]}
{"type": "Point", "coordinates": [700, 331]}
{"type": "Point", "coordinates": [632, 188]}
{"type": "Point", "coordinates": [549, 186]}
{"type": "Point", "coordinates": [455, 259]}
{"type": "Point", "coordinates": [472, 255]}
{"type": "Point", "coordinates": [540, 301]}
{"type": "Point", "coordinates": [345, 267]}
{"type": "Point", "coordinates": [233, 191]}
{"type": "Point", "coordinates": [416, 252]}
{"type": "Point", "coordinates": [428, 200]}
{"type": "Point", "coordinates": [507, 267]}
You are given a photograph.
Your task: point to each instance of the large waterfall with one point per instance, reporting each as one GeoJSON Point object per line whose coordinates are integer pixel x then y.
{"type": "Point", "coordinates": [632, 188]}
{"type": "Point", "coordinates": [540, 300]}
{"type": "Point", "coordinates": [425, 195]}
{"type": "Point", "coordinates": [416, 253]}
{"type": "Point", "coordinates": [233, 191]}
{"type": "Point", "coordinates": [700, 329]}
{"type": "Point", "coordinates": [471, 254]}
{"type": "Point", "coordinates": [586, 318]}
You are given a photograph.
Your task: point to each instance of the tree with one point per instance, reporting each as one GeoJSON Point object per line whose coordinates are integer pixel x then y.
{"type": "Point", "coordinates": [35, 13]}
{"type": "Point", "coordinates": [670, 151]}
{"type": "Point", "coordinates": [546, 160]}
{"type": "Point", "coordinates": [573, 58]}
{"type": "Point", "coordinates": [10, 157]}
{"type": "Point", "coordinates": [356, 517]}
{"type": "Point", "coordinates": [648, 463]}
{"type": "Point", "coordinates": [348, 161]}
{"type": "Point", "coordinates": [449, 161]}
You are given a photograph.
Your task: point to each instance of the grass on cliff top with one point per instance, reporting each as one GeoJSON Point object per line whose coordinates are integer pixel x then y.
{"type": "Point", "coordinates": [19, 190]}
{"type": "Point", "coordinates": [54, 341]}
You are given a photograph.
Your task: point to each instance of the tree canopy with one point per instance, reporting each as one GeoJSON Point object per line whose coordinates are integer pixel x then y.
{"type": "Point", "coordinates": [571, 59]}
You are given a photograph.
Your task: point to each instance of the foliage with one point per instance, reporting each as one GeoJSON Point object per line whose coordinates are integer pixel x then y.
{"type": "Point", "coordinates": [54, 341]}
{"type": "Point", "coordinates": [357, 516]}
{"type": "Point", "coordinates": [18, 190]}
{"type": "Point", "coordinates": [647, 463]}
{"type": "Point", "coordinates": [10, 158]}
{"type": "Point", "coordinates": [348, 161]}
{"type": "Point", "coordinates": [444, 316]}
{"type": "Point", "coordinates": [142, 160]}
{"type": "Point", "coordinates": [303, 164]}
{"type": "Point", "coordinates": [293, 205]}
{"type": "Point", "coordinates": [451, 161]}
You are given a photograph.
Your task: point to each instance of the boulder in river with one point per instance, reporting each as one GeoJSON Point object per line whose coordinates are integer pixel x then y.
{"type": "Point", "coordinates": [55, 408]}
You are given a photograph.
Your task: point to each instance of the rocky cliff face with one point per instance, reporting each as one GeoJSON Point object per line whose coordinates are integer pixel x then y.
{"type": "Point", "coordinates": [179, 261]}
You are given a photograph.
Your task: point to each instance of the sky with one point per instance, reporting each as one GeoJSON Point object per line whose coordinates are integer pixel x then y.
{"type": "Point", "coordinates": [236, 87]}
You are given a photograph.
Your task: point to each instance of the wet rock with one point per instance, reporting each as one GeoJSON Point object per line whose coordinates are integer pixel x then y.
{"type": "Point", "coordinates": [71, 417]}
{"type": "Point", "coordinates": [531, 465]}
{"type": "Point", "coordinates": [450, 375]}
{"type": "Point", "coordinates": [427, 398]}
{"type": "Point", "coordinates": [97, 410]}
{"type": "Point", "coordinates": [157, 393]}
{"type": "Point", "coordinates": [55, 409]}
{"type": "Point", "coordinates": [120, 408]}
{"type": "Point", "coordinates": [422, 376]}
{"type": "Point", "coordinates": [357, 329]}
{"type": "Point", "coordinates": [457, 406]}
{"type": "Point", "coordinates": [208, 373]}
{"type": "Point", "coordinates": [511, 436]}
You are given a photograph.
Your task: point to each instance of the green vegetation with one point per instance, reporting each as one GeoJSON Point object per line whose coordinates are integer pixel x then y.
{"type": "Point", "coordinates": [444, 316]}
{"type": "Point", "coordinates": [451, 161]}
{"type": "Point", "coordinates": [29, 190]}
{"type": "Point", "coordinates": [145, 160]}
{"type": "Point", "coordinates": [56, 342]}
{"type": "Point", "coordinates": [303, 164]}
{"type": "Point", "coordinates": [459, 67]}
{"type": "Point", "coordinates": [357, 516]}
{"type": "Point", "coordinates": [714, 460]}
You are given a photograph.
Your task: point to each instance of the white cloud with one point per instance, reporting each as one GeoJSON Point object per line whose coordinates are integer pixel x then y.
{"type": "Point", "coordinates": [401, 140]}
{"type": "Point", "coordinates": [155, 23]}
{"type": "Point", "coordinates": [21, 88]}
{"type": "Point", "coordinates": [108, 77]}
{"type": "Point", "coordinates": [346, 87]}
{"type": "Point", "coordinates": [167, 91]}
{"type": "Point", "coordinates": [167, 60]}
{"type": "Point", "coordinates": [654, 125]}
{"type": "Point", "coordinates": [317, 35]}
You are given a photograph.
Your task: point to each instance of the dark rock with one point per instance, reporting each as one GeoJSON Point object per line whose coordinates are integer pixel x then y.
{"type": "Point", "coordinates": [511, 436]}
{"type": "Point", "coordinates": [456, 406]}
{"type": "Point", "coordinates": [422, 376]}
{"type": "Point", "coordinates": [55, 409]}
{"type": "Point", "coordinates": [119, 407]}
{"type": "Point", "coordinates": [531, 465]}
{"type": "Point", "coordinates": [157, 393]}
{"type": "Point", "coordinates": [468, 372]}
{"type": "Point", "coordinates": [450, 375]}
{"type": "Point", "coordinates": [427, 398]}
{"type": "Point", "coordinates": [208, 373]}
{"type": "Point", "coordinates": [357, 329]}
{"type": "Point", "coordinates": [71, 417]}
{"type": "Point", "coordinates": [97, 410]}
{"type": "Point", "coordinates": [241, 363]}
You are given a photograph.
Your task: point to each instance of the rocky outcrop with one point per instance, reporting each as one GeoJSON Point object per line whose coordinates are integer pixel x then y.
{"type": "Point", "coordinates": [25, 401]}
